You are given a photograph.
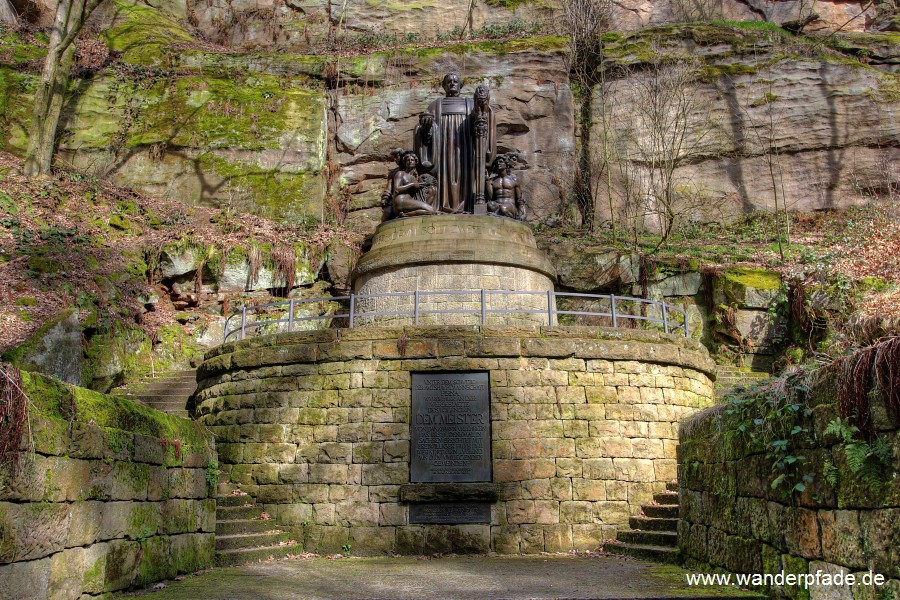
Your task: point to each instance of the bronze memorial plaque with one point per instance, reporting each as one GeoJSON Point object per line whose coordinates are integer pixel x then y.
{"type": "Point", "coordinates": [450, 513]}
{"type": "Point", "coordinates": [450, 427]}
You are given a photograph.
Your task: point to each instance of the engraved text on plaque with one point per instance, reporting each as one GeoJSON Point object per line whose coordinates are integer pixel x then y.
{"type": "Point", "coordinates": [450, 427]}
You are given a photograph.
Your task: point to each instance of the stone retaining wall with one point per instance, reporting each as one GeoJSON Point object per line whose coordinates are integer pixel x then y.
{"type": "Point", "coordinates": [115, 495]}
{"type": "Point", "coordinates": [733, 520]}
{"type": "Point", "coordinates": [315, 425]}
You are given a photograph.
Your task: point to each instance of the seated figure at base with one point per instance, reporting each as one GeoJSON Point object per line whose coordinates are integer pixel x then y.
{"type": "Point", "coordinates": [412, 194]}
{"type": "Point", "coordinates": [502, 190]}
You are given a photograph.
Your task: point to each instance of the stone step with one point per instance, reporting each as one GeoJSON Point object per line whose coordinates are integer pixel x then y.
{"type": "Point", "coordinates": [168, 401]}
{"type": "Point", "coordinates": [660, 539]}
{"type": "Point", "coordinates": [654, 553]}
{"type": "Point", "coordinates": [179, 413]}
{"type": "Point", "coordinates": [651, 524]}
{"type": "Point", "coordinates": [230, 513]}
{"type": "Point", "coordinates": [741, 372]}
{"type": "Point", "coordinates": [240, 556]}
{"type": "Point", "coordinates": [672, 486]}
{"type": "Point", "coordinates": [164, 389]}
{"type": "Point", "coordinates": [182, 383]}
{"type": "Point", "coordinates": [231, 500]}
{"type": "Point", "coordinates": [226, 488]}
{"type": "Point", "coordinates": [660, 512]}
{"type": "Point", "coordinates": [162, 396]}
{"type": "Point", "coordinates": [666, 498]}
{"type": "Point", "coordinates": [237, 526]}
{"type": "Point", "coordinates": [263, 539]}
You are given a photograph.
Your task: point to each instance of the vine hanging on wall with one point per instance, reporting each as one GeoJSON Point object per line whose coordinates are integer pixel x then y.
{"type": "Point", "coordinates": [872, 370]}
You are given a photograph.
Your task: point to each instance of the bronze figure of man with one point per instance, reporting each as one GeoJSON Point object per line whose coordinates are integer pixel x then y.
{"type": "Point", "coordinates": [503, 191]}
{"type": "Point", "coordinates": [454, 148]}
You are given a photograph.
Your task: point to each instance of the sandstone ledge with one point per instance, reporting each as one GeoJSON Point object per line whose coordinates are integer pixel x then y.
{"type": "Point", "coordinates": [424, 341]}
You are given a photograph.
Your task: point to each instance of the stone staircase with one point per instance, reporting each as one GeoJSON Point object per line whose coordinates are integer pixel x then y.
{"type": "Point", "coordinates": [654, 534]}
{"type": "Point", "coordinates": [728, 377]}
{"type": "Point", "coordinates": [244, 534]}
{"type": "Point", "coordinates": [167, 392]}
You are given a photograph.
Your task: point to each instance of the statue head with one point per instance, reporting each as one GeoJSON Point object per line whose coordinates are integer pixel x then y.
{"type": "Point", "coordinates": [500, 164]}
{"type": "Point", "coordinates": [482, 93]}
{"type": "Point", "coordinates": [397, 155]}
{"type": "Point", "coordinates": [452, 84]}
{"type": "Point", "coordinates": [409, 160]}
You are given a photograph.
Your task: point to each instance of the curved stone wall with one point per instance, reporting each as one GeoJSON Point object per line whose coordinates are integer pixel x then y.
{"type": "Point", "coordinates": [455, 252]}
{"type": "Point", "coordinates": [315, 425]}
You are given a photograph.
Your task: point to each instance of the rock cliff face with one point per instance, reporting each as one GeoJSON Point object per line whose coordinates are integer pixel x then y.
{"type": "Point", "coordinates": [763, 122]}
{"type": "Point", "coordinates": [297, 136]}
{"type": "Point", "coordinates": [302, 24]}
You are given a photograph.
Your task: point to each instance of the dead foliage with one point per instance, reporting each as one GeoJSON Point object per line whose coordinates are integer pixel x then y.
{"type": "Point", "coordinates": [285, 259]}
{"type": "Point", "coordinates": [797, 303]}
{"type": "Point", "coordinates": [13, 414]}
{"type": "Point", "coordinates": [91, 53]}
{"type": "Point", "coordinates": [887, 374]}
{"type": "Point", "coordinates": [870, 371]}
{"type": "Point", "coordinates": [61, 247]}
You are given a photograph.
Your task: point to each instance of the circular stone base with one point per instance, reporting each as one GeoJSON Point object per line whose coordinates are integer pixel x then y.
{"type": "Point", "coordinates": [452, 253]}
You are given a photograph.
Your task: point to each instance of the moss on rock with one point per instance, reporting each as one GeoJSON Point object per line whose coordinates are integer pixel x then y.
{"type": "Point", "coordinates": [145, 35]}
{"type": "Point", "coordinates": [760, 279]}
{"type": "Point", "coordinates": [56, 400]}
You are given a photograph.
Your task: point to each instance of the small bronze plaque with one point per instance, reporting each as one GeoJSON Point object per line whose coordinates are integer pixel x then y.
{"type": "Point", "coordinates": [450, 512]}
{"type": "Point", "coordinates": [450, 427]}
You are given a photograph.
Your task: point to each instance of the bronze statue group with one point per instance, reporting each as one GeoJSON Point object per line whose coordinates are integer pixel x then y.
{"type": "Point", "coordinates": [454, 167]}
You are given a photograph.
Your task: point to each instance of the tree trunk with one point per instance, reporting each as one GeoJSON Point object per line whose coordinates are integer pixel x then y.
{"type": "Point", "coordinates": [8, 13]}
{"type": "Point", "coordinates": [51, 90]}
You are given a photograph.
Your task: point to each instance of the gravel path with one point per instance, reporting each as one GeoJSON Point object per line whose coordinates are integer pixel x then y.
{"type": "Point", "coordinates": [473, 577]}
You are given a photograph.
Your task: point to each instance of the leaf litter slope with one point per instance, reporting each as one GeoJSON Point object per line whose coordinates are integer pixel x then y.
{"type": "Point", "coordinates": [71, 240]}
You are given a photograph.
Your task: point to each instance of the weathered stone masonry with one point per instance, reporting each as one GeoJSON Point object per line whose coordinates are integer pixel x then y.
{"type": "Point", "coordinates": [732, 519]}
{"type": "Point", "coordinates": [315, 425]}
{"type": "Point", "coordinates": [114, 495]}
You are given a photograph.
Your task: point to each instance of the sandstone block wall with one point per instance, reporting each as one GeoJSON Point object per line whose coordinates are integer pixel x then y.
{"type": "Point", "coordinates": [732, 519]}
{"type": "Point", "coordinates": [459, 277]}
{"type": "Point", "coordinates": [115, 495]}
{"type": "Point", "coordinates": [315, 425]}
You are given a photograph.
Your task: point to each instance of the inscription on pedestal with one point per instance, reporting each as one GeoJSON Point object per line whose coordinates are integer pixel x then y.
{"type": "Point", "coordinates": [450, 427]}
{"type": "Point", "coordinates": [450, 512]}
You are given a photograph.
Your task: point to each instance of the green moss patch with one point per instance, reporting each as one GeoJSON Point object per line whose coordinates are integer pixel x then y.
{"type": "Point", "coordinates": [56, 400]}
{"type": "Point", "coordinates": [145, 35]}
{"type": "Point", "coordinates": [274, 194]}
{"type": "Point", "coordinates": [18, 48]}
{"type": "Point", "coordinates": [759, 279]}
{"type": "Point", "coordinates": [255, 113]}
{"type": "Point", "coordinates": [16, 98]}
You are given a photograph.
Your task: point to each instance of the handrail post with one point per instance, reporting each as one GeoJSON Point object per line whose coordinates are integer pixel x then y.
{"type": "Point", "coordinates": [483, 309]}
{"type": "Point", "coordinates": [291, 316]}
{"type": "Point", "coordinates": [352, 307]}
{"type": "Point", "coordinates": [665, 317]}
{"type": "Point", "coordinates": [416, 307]}
{"type": "Point", "coordinates": [549, 308]}
{"type": "Point", "coordinates": [685, 312]}
{"type": "Point", "coordinates": [612, 309]}
{"type": "Point", "coordinates": [243, 321]}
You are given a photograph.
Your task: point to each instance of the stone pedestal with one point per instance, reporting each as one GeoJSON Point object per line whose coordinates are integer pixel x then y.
{"type": "Point", "coordinates": [453, 253]}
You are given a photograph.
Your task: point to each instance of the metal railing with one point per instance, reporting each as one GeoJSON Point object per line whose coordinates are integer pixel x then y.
{"type": "Point", "coordinates": [618, 313]}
